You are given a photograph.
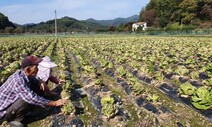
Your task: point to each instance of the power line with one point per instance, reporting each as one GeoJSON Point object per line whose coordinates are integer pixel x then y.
{"type": "Point", "coordinates": [55, 23]}
{"type": "Point", "coordinates": [56, 18]}
{"type": "Point", "coordinates": [61, 5]}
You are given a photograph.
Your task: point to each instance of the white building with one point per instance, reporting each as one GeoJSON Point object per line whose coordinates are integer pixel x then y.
{"type": "Point", "coordinates": [135, 26]}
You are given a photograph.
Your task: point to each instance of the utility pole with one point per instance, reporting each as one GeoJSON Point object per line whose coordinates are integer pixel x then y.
{"type": "Point", "coordinates": [26, 30]}
{"type": "Point", "coordinates": [55, 23]}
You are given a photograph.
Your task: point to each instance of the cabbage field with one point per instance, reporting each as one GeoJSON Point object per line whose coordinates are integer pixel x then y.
{"type": "Point", "coordinates": [123, 80]}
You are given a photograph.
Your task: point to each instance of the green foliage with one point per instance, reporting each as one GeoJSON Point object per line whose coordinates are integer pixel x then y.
{"type": "Point", "coordinates": [120, 59]}
{"type": "Point", "coordinates": [202, 99]}
{"type": "Point", "coordinates": [68, 108]}
{"type": "Point", "coordinates": [162, 13]}
{"type": "Point", "coordinates": [66, 86]}
{"type": "Point", "coordinates": [10, 68]}
{"type": "Point", "coordinates": [5, 23]}
{"type": "Point", "coordinates": [194, 75]}
{"type": "Point", "coordinates": [205, 11]}
{"type": "Point", "coordinates": [208, 82]}
{"type": "Point", "coordinates": [182, 70]}
{"type": "Point", "coordinates": [208, 69]}
{"type": "Point", "coordinates": [110, 65]}
{"type": "Point", "coordinates": [137, 88]}
{"type": "Point", "coordinates": [134, 64]}
{"type": "Point", "coordinates": [166, 8]}
{"type": "Point", "coordinates": [144, 68]}
{"type": "Point", "coordinates": [189, 61]}
{"type": "Point", "coordinates": [6, 72]}
{"type": "Point", "coordinates": [187, 10]}
{"type": "Point", "coordinates": [88, 68]}
{"type": "Point", "coordinates": [9, 30]}
{"type": "Point", "coordinates": [104, 62]}
{"type": "Point", "coordinates": [151, 69]}
{"type": "Point", "coordinates": [63, 76]}
{"type": "Point", "coordinates": [121, 71]}
{"type": "Point", "coordinates": [108, 107]}
{"type": "Point", "coordinates": [188, 27]}
{"type": "Point", "coordinates": [174, 26]}
{"type": "Point", "coordinates": [152, 4]}
{"type": "Point", "coordinates": [98, 81]}
{"type": "Point", "coordinates": [186, 89]}
{"type": "Point", "coordinates": [15, 65]}
{"type": "Point", "coordinates": [159, 76]}
{"type": "Point", "coordinates": [120, 28]}
{"type": "Point", "coordinates": [67, 24]}
{"type": "Point", "coordinates": [153, 98]}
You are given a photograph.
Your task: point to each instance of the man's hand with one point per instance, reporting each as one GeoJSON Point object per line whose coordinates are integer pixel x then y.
{"type": "Point", "coordinates": [59, 102]}
{"type": "Point", "coordinates": [44, 87]}
{"type": "Point", "coordinates": [61, 81]}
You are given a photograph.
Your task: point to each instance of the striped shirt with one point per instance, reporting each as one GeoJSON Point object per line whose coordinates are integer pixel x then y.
{"type": "Point", "coordinates": [17, 86]}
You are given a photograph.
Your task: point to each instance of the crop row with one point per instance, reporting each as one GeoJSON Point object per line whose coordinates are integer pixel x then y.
{"type": "Point", "coordinates": [127, 81]}
{"type": "Point", "coordinates": [86, 48]}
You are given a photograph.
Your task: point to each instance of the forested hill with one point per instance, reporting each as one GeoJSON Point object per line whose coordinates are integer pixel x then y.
{"type": "Point", "coordinates": [65, 24]}
{"type": "Point", "coordinates": [163, 13]}
{"type": "Point", "coordinates": [116, 21]}
{"type": "Point", "coordinates": [4, 22]}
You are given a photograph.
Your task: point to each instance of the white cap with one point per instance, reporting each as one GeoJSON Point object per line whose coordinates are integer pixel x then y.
{"type": "Point", "coordinates": [46, 62]}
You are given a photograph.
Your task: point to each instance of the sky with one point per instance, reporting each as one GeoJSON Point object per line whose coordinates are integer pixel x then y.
{"type": "Point", "coordinates": [36, 11]}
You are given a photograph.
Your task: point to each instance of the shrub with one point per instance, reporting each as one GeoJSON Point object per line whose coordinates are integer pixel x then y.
{"type": "Point", "coordinates": [177, 27]}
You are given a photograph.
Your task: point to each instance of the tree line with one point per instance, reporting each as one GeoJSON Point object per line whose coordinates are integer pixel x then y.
{"type": "Point", "coordinates": [169, 13]}
{"type": "Point", "coordinates": [165, 14]}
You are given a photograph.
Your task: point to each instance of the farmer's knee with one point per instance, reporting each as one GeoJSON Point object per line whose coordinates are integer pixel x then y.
{"type": "Point", "coordinates": [17, 110]}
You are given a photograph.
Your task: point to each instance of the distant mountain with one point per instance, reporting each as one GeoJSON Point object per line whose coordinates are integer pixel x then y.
{"type": "Point", "coordinates": [65, 24]}
{"type": "Point", "coordinates": [115, 22]}
{"type": "Point", "coordinates": [29, 24]}
{"type": "Point", "coordinates": [4, 22]}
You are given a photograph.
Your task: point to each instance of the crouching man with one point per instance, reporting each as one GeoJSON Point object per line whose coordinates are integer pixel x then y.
{"type": "Point", "coordinates": [16, 97]}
